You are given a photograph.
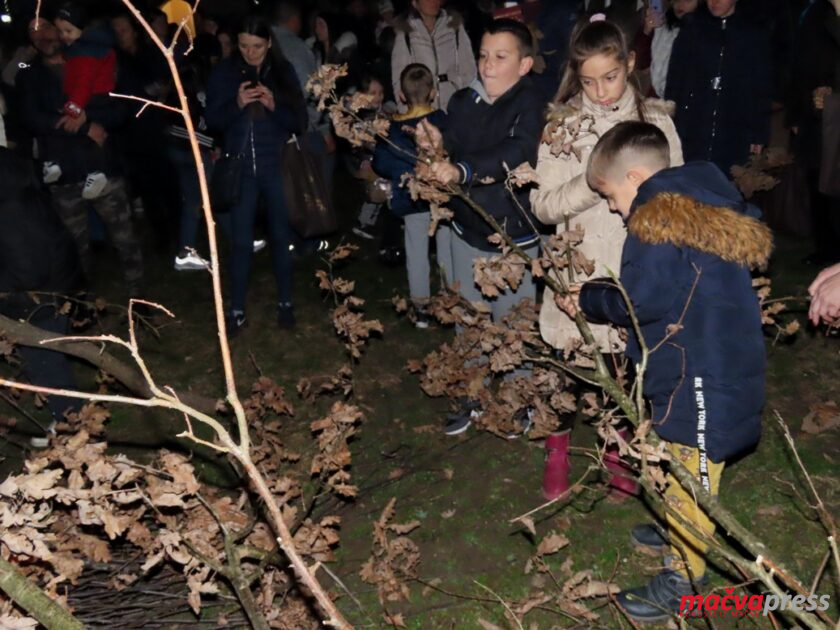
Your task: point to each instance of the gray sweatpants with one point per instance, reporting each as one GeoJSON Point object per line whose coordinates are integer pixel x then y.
{"type": "Point", "coordinates": [463, 255]}
{"type": "Point", "coordinates": [417, 254]}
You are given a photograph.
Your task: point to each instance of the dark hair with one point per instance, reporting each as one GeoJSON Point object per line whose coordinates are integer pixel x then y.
{"type": "Point", "coordinates": [644, 142]}
{"type": "Point", "coordinates": [367, 79]}
{"type": "Point", "coordinates": [417, 83]}
{"type": "Point", "coordinates": [522, 33]}
{"type": "Point", "coordinates": [588, 40]}
{"type": "Point", "coordinates": [287, 87]}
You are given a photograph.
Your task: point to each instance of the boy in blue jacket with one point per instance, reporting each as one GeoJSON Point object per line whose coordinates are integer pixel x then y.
{"type": "Point", "coordinates": [417, 91]}
{"type": "Point", "coordinates": [692, 240]}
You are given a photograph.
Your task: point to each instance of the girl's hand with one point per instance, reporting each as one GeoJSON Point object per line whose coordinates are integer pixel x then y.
{"type": "Point", "coordinates": [247, 95]}
{"type": "Point", "coordinates": [446, 172]}
{"type": "Point", "coordinates": [822, 277]}
{"type": "Point", "coordinates": [266, 97]}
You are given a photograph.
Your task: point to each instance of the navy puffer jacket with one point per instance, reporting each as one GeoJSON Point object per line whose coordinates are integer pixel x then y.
{"type": "Point", "coordinates": [252, 131]}
{"type": "Point", "coordinates": [691, 242]}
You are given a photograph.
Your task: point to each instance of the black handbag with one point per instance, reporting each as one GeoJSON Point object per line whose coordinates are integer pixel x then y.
{"type": "Point", "coordinates": [311, 211]}
{"type": "Point", "coordinates": [226, 180]}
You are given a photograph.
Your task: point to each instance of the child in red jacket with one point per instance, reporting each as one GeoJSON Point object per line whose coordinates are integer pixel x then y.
{"type": "Point", "coordinates": [89, 73]}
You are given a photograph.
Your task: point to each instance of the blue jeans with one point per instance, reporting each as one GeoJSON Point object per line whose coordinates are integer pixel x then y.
{"type": "Point", "coordinates": [268, 185]}
{"type": "Point", "coordinates": [182, 159]}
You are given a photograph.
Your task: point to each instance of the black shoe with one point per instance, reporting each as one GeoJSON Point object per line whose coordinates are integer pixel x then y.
{"type": "Point", "coordinates": [651, 537]}
{"type": "Point", "coordinates": [234, 322]}
{"type": "Point", "coordinates": [421, 317]}
{"type": "Point", "coordinates": [285, 317]}
{"type": "Point", "coordinates": [659, 599]}
{"type": "Point", "coordinates": [458, 422]}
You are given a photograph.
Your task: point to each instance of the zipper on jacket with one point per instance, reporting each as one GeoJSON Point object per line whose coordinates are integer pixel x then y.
{"type": "Point", "coordinates": [717, 87]}
{"type": "Point", "coordinates": [253, 150]}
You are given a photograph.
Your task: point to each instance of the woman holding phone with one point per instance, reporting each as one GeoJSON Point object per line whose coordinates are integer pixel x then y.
{"type": "Point", "coordinates": [254, 101]}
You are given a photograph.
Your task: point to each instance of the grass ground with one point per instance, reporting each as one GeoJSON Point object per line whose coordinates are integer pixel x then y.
{"type": "Point", "coordinates": [465, 490]}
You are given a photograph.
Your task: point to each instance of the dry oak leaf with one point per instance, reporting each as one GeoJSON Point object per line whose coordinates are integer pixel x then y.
{"type": "Point", "coordinates": [7, 622]}
{"type": "Point", "coordinates": [821, 417]}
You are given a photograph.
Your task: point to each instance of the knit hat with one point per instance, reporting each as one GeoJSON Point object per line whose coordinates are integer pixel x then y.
{"type": "Point", "coordinates": [73, 13]}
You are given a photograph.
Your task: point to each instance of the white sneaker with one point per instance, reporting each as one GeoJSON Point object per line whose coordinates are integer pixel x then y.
{"type": "Point", "coordinates": [51, 173]}
{"type": "Point", "coordinates": [259, 245]}
{"type": "Point", "coordinates": [43, 441]}
{"type": "Point", "coordinates": [94, 185]}
{"type": "Point", "coordinates": [188, 261]}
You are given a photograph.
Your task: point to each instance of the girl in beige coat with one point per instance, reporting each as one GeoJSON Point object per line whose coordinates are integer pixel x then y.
{"type": "Point", "coordinates": [596, 94]}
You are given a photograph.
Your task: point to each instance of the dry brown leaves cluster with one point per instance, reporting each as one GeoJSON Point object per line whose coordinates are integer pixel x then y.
{"type": "Point", "coordinates": [348, 320]}
{"type": "Point", "coordinates": [394, 557]}
{"type": "Point", "coordinates": [73, 501]}
{"type": "Point", "coordinates": [569, 589]}
{"type": "Point", "coordinates": [760, 172]}
{"type": "Point", "coordinates": [469, 365]}
{"type": "Point", "coordinates": [565, 129]}
{"type": "Point", "coordinates": [771, 309]}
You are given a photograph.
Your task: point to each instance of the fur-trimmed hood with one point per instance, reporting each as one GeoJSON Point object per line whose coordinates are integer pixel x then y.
{"type": "Point", "coordinates": [696, 206]}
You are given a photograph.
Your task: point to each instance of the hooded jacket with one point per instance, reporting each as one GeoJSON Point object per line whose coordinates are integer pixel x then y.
{"type": "Point", "coordinates": [446, 51]}
{"type": "Point", "coordinates": [563, 192]}
{"type": "Point", "coordinates": [393, 163]}
{"type": "Point", "coordinates": [482, 138]}
{"type": "Point", "coordinates": [691, 243]}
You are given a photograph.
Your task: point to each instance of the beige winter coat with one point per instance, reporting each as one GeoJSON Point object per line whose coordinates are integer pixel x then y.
{"type": "Point", "coordinates": [564, 192]}
{"type": "Point", "coordinates": [446, 51]}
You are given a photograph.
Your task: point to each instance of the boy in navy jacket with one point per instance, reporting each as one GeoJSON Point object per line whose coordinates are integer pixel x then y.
{"type": "Point", "coordinates": [417, 91]}
{"type": "Point", "coordinates": [493, 125]}
{"type": "Point", "coordinates": [691, 243]}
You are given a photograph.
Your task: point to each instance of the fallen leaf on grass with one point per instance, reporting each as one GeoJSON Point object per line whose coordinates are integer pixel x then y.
{"type": "Point", "coordinates": [448, 513]}
{"type": "Point", "coordinates": [449, 473]}
{"type": "Point", "coordinates": [822, 417]}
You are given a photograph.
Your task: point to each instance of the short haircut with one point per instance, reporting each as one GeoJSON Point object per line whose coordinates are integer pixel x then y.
{"type": "Point", "coordinates": [522, 33]}
{"type": "Point", "coordinates": [287, 10]}
{"type": "Point", "coordinates": [417, 83]}
{"type": "Point", "coordinates": [626, 145]}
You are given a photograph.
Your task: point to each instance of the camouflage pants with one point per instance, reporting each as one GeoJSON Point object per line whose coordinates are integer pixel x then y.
{"type": "Point", "coordinates": [113, 207]}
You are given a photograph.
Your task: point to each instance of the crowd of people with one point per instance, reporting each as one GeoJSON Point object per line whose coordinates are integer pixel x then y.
{"type": "Point", "coordinates": [657, 100]}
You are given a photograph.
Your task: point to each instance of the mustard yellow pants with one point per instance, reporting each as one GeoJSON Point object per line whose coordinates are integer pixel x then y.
{"type": "Point", "coordinates": [687, 549]}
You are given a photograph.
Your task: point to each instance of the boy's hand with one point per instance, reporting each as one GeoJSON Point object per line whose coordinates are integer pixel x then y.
{"type": "Point", "coordinates": [446, 172]}
{"type": "Point", "coordinates": [569, 303]}
{"type": "Point", "coordinates": [428, 137]}
{"type": "Point", "coordinates": [825, 296]}
{"type": "Point", "coordinates": [71, 124]}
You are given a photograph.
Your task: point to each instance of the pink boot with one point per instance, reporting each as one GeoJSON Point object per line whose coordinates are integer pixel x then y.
{"type": "Point", "coordinates": [556, 471]}
{"type": "Point", "coordinates": [622, 483]}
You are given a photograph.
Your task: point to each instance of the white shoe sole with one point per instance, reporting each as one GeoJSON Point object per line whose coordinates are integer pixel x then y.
{"type": "Point", "coordinates": [189, 266]}
{"type": "Point", "coordinates": [459, 430]}
{"type": "Point", "coordinates": [362, 234]}
{"type": "Point", "coordinates": [95, 190]}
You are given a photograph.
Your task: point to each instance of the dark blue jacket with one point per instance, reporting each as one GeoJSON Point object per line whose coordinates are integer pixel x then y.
{"type": "Point", "coordinates": [720, 77]}
{"type": "Point", "coordinates": [392, 164]}
{"type": "Point", "coordinates": [252, 130]}
{"type": "Point", "coordinates": [484, 138]}
{"type": "Point", "coordinates": [690, 226]}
